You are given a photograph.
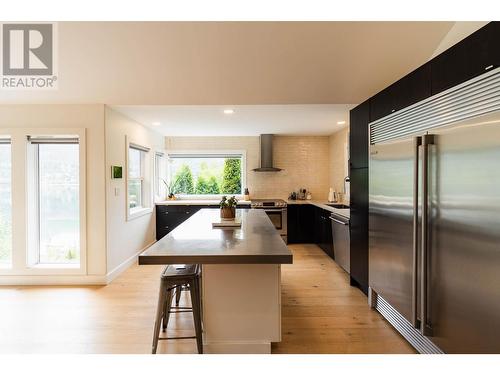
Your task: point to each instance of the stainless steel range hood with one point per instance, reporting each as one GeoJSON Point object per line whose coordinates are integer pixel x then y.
{"type": "Point", "coordinates": [266, 154]}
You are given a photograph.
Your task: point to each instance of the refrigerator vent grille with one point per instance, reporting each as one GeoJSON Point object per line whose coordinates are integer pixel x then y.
{"type": "Point", "coordinates": [476, 97]}
{"type": "Point", "coordinates": [419, 342]}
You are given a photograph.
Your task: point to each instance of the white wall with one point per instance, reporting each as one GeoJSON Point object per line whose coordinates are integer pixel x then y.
{"type": "Point", "coordinates": [91, 118]}
{"type": "Point", "coordinates": [125, 238]}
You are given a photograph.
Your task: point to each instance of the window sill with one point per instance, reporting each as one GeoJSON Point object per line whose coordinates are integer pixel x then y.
{"type": "Point", "coordinates": [135, 213]}
{"type": "Point", "coordinates": [56, 266]}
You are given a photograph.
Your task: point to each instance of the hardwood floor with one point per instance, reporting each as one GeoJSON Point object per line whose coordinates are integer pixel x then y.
{"type": "Point", "coordinates": [321, 314]}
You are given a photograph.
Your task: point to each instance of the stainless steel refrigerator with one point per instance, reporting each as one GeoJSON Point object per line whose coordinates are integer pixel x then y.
{"type": "Point", "coordinates": [434, 219]}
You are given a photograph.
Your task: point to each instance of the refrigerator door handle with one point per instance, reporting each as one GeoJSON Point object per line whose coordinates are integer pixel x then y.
{"type": "Point", "coordinates": [427, 140]}
{"type": "Point", "coordinates": [414, 303]}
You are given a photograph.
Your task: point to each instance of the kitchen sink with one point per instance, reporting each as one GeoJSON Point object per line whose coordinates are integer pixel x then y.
{"type": "Point", "coordinates": [337, 205]}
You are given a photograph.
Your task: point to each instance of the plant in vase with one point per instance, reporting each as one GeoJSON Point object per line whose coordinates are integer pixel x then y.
{"type": "Point", "coordinates": [170, 187]}
{"type": "Point", "coordinates": [228, 207]}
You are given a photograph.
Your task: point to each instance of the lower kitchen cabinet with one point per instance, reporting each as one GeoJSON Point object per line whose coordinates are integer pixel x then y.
{"type": "Point", "coordinates": [323, 231]}
{"type": "Point", "coordinates": [168, 217]}
{"type": "Point", "coordinates": [300, 223]}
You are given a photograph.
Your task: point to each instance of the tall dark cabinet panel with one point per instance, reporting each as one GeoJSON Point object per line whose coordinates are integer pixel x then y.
{"type": "Point", "coordinates": [358, 174]}
{"type": "Point", "coordinates": [473, 56]}
{"type": "Point", "coordinates": [359, 228]}
{"type": "Point", "coordinates": [358, 136]}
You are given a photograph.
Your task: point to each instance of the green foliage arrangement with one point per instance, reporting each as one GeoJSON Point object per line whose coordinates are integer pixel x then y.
{"type": "Point", "coordinates": [228, 203]}
{"type": "Point", "coordinates": [171, 187]}
{"type": "Point", "coordinates": [231, 180]}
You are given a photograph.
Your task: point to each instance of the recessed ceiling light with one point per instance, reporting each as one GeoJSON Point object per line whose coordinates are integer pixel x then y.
{"type": "Point", "coordinates": [156, 123]}
{"type": "Point", "coordinates": [228, 111]}
{"type": "Point", "coordinates": [340, 122]}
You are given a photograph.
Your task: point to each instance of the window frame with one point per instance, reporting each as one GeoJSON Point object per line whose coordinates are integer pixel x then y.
{"type": "Point", "coordinates": [34, 206]}
{"type": "Point", "coordinates": [7, 139]}
{"type": "Point", "coordinates": [145, 179]}
{"type": "Point", "coordinates": [159, 167]}
{"type": "Point", "coordinates": [224, 153]}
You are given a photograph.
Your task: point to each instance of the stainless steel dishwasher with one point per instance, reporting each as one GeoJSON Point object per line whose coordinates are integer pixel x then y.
{"type": "Point", "coordinates": [341, 241]}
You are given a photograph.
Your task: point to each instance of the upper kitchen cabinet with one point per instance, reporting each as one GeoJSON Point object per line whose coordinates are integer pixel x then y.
{"type": "Point", "coordinates": [358, 136]}
{"type": "Point", "coordinates": [473, 56]}
{"type": "Point", "coordinates": [409, 90]}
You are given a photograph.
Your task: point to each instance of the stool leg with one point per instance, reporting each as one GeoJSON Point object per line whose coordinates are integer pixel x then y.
{"type": "Point", "coordinates": [194, 291]}
{"type": "Point", "coordinates": [166, 309]}
{"type": "Point", "coordinates": [159, 315]}
{"type": "Point", "coordinates": [178, 291]}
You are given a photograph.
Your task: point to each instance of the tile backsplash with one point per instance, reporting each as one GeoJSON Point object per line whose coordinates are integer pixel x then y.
{"type": "Point", "coordinates": [305, 161]}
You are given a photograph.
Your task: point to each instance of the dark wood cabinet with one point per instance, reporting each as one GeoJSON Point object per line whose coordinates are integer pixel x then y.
{"type": "Point", "coordinates": [168, 217]}
{"type": "Point", "coordinates": [359, 228]}
{"type": "Point", "coordinates": [310, 224]}
{"type": "Point", "coordinates": [473, 56]}
{"type": "Point", "coordinates": [300, 223]}
{"type": "Point", "coordinates": [358, 136]}
{"type": "Point", "coordinates": [409, 90]}
{"type": "Point", "coordinates": [324, 231]}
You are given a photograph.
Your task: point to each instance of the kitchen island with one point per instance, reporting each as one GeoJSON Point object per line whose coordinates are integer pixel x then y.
{"type": "Point", "coordinates": [241, 277]}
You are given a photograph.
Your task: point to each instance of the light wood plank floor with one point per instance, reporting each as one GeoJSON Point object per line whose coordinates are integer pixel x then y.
{"type": "Point", "coordinates": [321, 314]}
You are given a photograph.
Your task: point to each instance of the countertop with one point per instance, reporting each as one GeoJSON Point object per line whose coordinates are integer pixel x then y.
{"type": "Point", "coordinates": [196, 242]}
{"type": "Point", "coordinates": [345, 212]}
{"type": "Point", "coordinates": [198, 202]}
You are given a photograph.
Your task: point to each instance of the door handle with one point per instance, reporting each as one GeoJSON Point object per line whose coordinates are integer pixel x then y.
{"type": "Point", "coordinates": [427, 140]}
{"type": "Point", "coordinates": [338, 221]}
{"type": "Point", "coordinates": [414, 301]}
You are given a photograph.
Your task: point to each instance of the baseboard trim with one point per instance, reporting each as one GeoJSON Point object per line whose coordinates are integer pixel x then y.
{"type": "Point", "coordinates": [10, 280]}
{"type": "Point", "coordinates": [15, 280]}
{"type": "Point", "coordinates": [118, 270]}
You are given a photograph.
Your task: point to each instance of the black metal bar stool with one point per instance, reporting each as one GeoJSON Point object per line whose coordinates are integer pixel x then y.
{"type": "Point", "coordinates": [173, 279]}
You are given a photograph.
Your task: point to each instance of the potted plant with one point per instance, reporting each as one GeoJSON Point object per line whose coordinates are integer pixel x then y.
{"type": "Point", "coordinates": [228, 207]}
{"type": "Point", "coordinates": [171, 188]}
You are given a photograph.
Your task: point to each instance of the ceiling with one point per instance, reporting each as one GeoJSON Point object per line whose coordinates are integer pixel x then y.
{"type": "Point", "coordinates": [247, 120]}
{"type": "Point", "coordinates": [241, 63]}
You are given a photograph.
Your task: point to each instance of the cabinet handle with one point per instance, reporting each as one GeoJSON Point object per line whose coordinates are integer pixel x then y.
{"type": "Point", "coordinates": [488, 67]}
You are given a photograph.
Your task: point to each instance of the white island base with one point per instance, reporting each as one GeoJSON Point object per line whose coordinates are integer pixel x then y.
{"type": "Point", "coordinates": [241, 307]}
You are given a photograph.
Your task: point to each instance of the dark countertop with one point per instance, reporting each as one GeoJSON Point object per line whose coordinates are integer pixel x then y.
{"type": "Point", "coordinates": [196, 242]}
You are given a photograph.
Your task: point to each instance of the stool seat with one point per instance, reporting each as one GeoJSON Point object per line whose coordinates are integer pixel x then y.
{"type": "Point", "coordinates": [174, 271]}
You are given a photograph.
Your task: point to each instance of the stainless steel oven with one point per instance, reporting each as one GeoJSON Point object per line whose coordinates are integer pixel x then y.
{"type": "Point", "coordinates": [276, 211]}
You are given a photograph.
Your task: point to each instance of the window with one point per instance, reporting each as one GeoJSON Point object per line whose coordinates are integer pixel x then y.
{"type": "Point", "coordinates": [206, 174]}
{"type": "Point", "coordinates": [5, 203]}
{"type": "Point", "coordinates": [138, 194]}
{"type": "Point", "coordinates": [159, 175]}
{"type": "Point", "coordinates": [54, 200]}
